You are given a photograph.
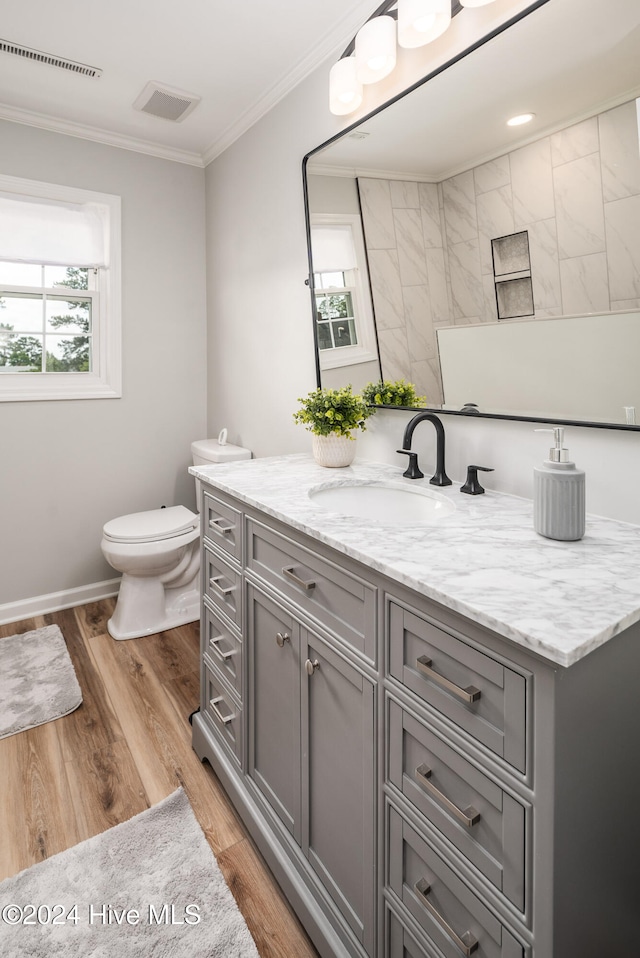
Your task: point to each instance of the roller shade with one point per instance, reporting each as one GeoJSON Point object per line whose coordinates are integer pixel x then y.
{"type": "Point", "coordinates": [49, 232]}
{"type": "Point", "coordinates": [332, 249]}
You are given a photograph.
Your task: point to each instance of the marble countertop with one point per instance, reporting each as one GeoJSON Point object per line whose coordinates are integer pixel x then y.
{"type": "Point", "coordinates": [558, 599]}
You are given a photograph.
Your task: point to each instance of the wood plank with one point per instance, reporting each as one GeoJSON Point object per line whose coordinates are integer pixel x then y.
{"type": "Point", "coordinates": [105, 789]}
{"type": "Point", "coordinates": [174, 652]}
{"type": "Point", "coordinates": [95, 724]}
{"type": "Point", "coordinates": [273, 925]}
{"type": "Point", "coordinates": [92, 617]}
{"type": "Point", "coordinates": [37, 793]}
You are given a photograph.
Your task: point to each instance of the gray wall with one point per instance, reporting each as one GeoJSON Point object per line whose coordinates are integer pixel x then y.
{"type": "Point", "coordinates": [67, 467]}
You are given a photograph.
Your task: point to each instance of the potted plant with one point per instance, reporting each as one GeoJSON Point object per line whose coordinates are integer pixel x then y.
{"type": "Point", "coordinates": [388, 393]}
{"type": "Point", "coordinates": [332, 416]}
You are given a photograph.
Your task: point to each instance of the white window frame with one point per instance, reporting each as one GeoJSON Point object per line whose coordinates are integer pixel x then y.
{"type": "Point", "coordinates": [366, 349]}
{"type": "Point", "coordinates": [105, 379]}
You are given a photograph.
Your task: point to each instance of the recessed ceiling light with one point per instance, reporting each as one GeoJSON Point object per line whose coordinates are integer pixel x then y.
{"type": "Point", "coordinates": [519, 120]}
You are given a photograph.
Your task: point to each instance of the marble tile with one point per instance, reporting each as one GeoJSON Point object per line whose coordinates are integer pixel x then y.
{"type": "Point", "coordinates": [578, 140]}
{"type": "Point", "coordinates": [545, 267]}
{"type": "Point", "coordinates": [377, 213]}
{"type": "Point", "coordinates": [420, 335]}
{"type": "Point", "coordinates": [585, 284]}
{"type": "Point", "coordinates": [579, 208]}
{"type": "Point", "coordinates": [441, 312]}
{"type": "Point", "coordinates": [466, 280]}
{"type": "Point", "coordinates": [432, 231]}
{"type": "Point", "coordinates": [490, 311]}
{"type": "Point", "coordinates": [492, 175]}
{"type": "Point", "coordinates": [404, 194]}
{"type": "Point", "coordinates": [460, 208]}
{"type": "Point", "coordinates": [495, 219]}
{"type": "Point", "coordinates": [622, 219]}
{"type": "Point", "coordinates": [411, 254]}
{"type": "Point", "coordinates": [619, 153]}
{"type": "Point", "coordinates": [394, 353]}
{"type": "Point", "coordinates": [384, 273]}
{"type": "Point", "coordinates": [425, 375]}
{"type": "Point", "coordinates": [532, 183]}
{"type": "Point", "coordinates": [559, 599]}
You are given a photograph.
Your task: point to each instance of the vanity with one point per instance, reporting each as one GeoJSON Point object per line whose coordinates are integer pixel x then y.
{"type": "Point", "coordinates": [430, 729]}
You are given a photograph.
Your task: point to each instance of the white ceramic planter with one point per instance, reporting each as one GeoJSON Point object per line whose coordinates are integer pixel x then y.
{"type": "Point", "coordinates": [334, 451]}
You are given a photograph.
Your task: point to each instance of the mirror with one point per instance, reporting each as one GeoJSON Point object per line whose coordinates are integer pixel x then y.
{"type": "Point", "coordinates": [502, 264]}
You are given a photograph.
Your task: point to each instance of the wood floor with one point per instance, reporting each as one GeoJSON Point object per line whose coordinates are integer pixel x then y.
{"type": "Point", "coordinates": [127, 747]}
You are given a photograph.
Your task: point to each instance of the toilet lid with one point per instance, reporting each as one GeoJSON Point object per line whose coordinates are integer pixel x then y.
{"type": "Point", "coordinates": [151, 526]}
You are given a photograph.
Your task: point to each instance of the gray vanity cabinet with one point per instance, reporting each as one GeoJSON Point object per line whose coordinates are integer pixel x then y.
{"type": "Point", "coordinates": [420, 786]}
{"type": "Point", "coordinates": [294, 739]}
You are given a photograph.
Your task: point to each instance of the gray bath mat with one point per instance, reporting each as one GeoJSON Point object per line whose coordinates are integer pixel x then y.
{"type": "Point", "coordinates": [148, 887]}
{"type": "Point", "coordinates": [37, 680]}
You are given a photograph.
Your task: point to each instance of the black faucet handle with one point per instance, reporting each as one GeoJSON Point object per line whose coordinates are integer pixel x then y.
{"type": "Point", "coordinates": [413, 470]}
{"type": "Point", "coordinates": [472, 487]}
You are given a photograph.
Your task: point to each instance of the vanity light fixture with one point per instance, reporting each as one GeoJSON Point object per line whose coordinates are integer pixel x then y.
{"type": "Point", "coordinates": [520, 119]}
{"type": "Point", "coordinates": [371, 55]}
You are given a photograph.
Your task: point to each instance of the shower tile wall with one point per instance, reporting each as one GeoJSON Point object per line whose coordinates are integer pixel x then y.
{"type": "Point", "coordinates": [576, 192]}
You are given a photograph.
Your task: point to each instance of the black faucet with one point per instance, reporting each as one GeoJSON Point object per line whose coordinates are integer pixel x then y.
{"type": "Point", "coordinates": [440, 478]}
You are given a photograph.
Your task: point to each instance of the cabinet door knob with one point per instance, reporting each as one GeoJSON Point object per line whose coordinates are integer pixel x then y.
{"type": "Point", "coordinates": [311, 666]}
{"type": "Point", "coordinates": [282, 637]}
{"type": "Point", "coordinates": [467, 943]}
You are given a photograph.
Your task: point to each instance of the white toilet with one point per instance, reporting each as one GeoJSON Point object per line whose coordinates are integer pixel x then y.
{"type": "Point", "coordinates": [158, 554]}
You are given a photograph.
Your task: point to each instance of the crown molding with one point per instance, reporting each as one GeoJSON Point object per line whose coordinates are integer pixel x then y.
{"type": "Point", "coordinates": [97, 135]}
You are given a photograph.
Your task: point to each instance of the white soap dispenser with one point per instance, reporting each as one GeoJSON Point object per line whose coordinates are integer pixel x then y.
{"type": "Point", "coordinates": [558, 493]}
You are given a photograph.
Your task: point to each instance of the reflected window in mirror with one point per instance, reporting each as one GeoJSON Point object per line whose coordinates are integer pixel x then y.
{"type": "Point", "coordinates": [345, 327]}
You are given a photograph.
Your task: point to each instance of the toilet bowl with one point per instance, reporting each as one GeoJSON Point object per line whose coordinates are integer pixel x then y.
{"type": "Point", "coordinates": [157, 554]}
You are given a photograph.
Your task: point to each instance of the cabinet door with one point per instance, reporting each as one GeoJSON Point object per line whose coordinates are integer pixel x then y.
{"type": "Point", "coordinates": [273, 657]}
{"type": "Point", "coordinates": [338, 791]}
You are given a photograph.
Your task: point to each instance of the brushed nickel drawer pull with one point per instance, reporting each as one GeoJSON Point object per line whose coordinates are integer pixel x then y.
{"type": "Point", "coordinates": [311, 666]}
{"type": "Point", "coordinates": [219, 652]}
{"type": "Point", "coordinates": [470, 694]}
{"type": "Point", "coordinates": [282, 637]}
{"type": "Point", "coordinates": [467, 943]}
{"type": "Point", "coordinates": [222, 525]}
{"type": "Point", "coordinates": [469, 816]}
{"type": "Point", "coordinates": [214, 582]}
{"type": "Point", "coordinates": [225, 719]}
{"type": "Point", "coordinates": [307, 585]}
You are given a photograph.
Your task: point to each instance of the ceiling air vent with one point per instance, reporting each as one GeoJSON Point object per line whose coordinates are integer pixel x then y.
{"type": "Point", "coordinates": [39, 57]}
{"type": "Point", "coordinates": [165, 102]}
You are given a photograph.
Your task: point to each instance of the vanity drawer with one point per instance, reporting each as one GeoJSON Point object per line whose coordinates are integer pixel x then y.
{"type": "Point", "coordinates": [340, 601]}
{"type": "Point", "coordinates": [223, 713]}
{"type": "Point", "coordinates": [452, 916]}
{"type": "Point", "coordinates": [223, 649]}
{"type": "Point", "coordinates": [222, 586]}
{"type": "Point", "coordinates": [222, 525]}
{"type": "Point", "coordinates": [399, 943]}
{"type": "Point", "coordinates": [486, 824]}
{"type": "Point", "coordinates": [476, 692]}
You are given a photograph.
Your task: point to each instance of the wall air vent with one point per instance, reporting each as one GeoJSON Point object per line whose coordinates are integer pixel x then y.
{"type": "Point", "coordinates": [39, 57]}
{"type": "Point", "coordinates": [165, 102]}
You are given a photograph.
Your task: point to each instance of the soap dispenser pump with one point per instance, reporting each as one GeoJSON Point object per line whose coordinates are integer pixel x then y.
{"type": "Point", "coordinates": [559, 493]}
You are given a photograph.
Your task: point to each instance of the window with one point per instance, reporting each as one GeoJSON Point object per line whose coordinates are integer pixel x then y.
{"type": "Point", "coordinates": [59, 292]}
{"type": "Point", "coordinates": [344, 316]}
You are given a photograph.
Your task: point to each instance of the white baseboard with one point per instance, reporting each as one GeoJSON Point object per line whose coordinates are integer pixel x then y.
{"type": "Point", "coordinates": [54, 601]}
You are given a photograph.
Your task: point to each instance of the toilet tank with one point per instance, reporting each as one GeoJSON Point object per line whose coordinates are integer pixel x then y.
{"type": "Point", "coordinates": [212, 451]}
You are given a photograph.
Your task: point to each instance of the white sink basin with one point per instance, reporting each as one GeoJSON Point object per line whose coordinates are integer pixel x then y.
{"type": "Point", "coordinates": [388, 502]}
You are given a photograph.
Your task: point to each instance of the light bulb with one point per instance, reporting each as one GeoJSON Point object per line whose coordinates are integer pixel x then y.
{"type": "Point", "coordinates": [520, 119]}
{"type": "Point", "coordinates": [375, 49]}
{"type": "Point", "coordinates": [421, 21]}
{"type": "Point", "coordinates": [345, 90]}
